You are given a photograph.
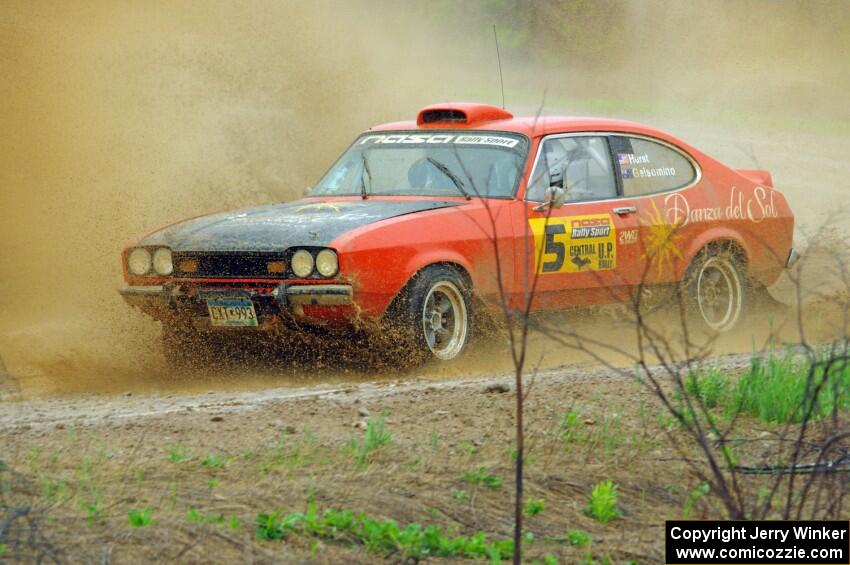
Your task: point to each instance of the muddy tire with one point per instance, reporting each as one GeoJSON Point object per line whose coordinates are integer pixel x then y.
{"type": "Point", "coordinates": [433, 316]}
{"type": "Point", "coordinates": [716, 290]}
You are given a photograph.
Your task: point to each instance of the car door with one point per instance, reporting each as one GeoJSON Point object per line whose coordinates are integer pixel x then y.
{"type": "Point", "coordinates": [587, 251]}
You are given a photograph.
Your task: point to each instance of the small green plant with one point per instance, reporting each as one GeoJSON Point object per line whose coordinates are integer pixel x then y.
{"type": "Point", "coordinates": [482, 477]}
{"type": "Point", "coordinates": [570, 425]}
{"type": "Point", "coordinates": [177, 454]}
{"type": "Point", "coordinates": [377, 436]}
{"type": "Point", "coordinates": [193, 515]}
{"type": "Point", "coordinates": [578, 538]}
{"type": "Point", "coordinates": [94, 514]}
{"type": "Point", "coordinates": [138, 477]}
{"type": "Point", "coordinates": [213, 461]}
{"type": "Point", "coordinates": [533, 507]}
{"type": "Point", "coordinates": [233, 522]}
{"type": "Point", "coordinates": [602, 503]}
{"type": "Point", "coordinates": [55, 490]}
{"type": "Point", "coordinates": [712, 388]}
{"type": "Point", "coordinates": [460, 494]}
{"type": "Point", "coordinates": [140, 518]}
{"type": "Point", "coordinates": [693, 498]}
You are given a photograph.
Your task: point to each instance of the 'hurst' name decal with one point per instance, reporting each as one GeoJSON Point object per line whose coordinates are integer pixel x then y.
{"type": "Point", "coordinates": [432, 138]}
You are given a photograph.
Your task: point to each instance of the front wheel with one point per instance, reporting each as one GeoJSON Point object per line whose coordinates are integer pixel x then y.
{"type": "Point", "coordinates": [434, 314]}
{"type": "Point", "coordinates": [717, 289]}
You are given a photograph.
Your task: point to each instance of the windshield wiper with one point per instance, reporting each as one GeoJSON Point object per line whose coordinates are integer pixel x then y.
{"type": "Point", "coordinates": [454, 178]}
{"type": "Point", "coordinates": [363, 193]}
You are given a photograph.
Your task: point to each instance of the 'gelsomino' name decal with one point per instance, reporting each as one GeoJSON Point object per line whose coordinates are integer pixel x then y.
{"type": "Point", "coordinates": [574, 244]}
{"type": "Point", "coordinates": [439, 138]}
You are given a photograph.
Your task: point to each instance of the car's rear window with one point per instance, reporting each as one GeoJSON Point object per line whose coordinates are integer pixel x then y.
{"type": "Point", "coordinates": [647, 167]}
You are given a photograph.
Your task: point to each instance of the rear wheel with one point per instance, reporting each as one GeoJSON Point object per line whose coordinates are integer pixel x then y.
{"type": "Point", "coordinates": [434, 314]}
{"type": "Point", "coordinates": [717, 289]}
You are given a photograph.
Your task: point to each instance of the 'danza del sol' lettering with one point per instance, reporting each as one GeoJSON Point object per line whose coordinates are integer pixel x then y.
{"type": "Point", "coordinates": [755, 208]}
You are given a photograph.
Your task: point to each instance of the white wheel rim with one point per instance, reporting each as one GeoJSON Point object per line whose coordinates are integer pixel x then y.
{"type": "Point", "coordinates": [719, 294]}
{"type": "Point", "coordinates": [444, 320]}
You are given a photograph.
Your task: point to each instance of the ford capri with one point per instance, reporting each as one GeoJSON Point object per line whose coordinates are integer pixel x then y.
{"type": "Point", "coordinates": [421, 226]}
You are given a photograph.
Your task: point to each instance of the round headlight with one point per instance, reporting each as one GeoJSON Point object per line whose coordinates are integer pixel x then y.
{"type": "Point", "coordinates": [139, 261]}
{"type": "Point", "coordinates": [327, 263]}
{"type": "Point", "coordinates": [302, 263]}
{"type": "Point", "coordinates": [162, 263]}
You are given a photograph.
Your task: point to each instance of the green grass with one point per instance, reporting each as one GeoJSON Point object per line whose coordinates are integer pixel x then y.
{"type": "Point", "coordinates": [213, 461]}
{"type": "Point", "coordinates": [376, 436]}
{"type": "Point", "coordinates": [602, 503]}
{"type": "Point", "coordinates": [482, 477]}
{"type": "Point", "coordinates": [386, 537]}
{"type": "Point", "coordinates": [712, 388]}
{"type": "Point", "coordinates": [177, 454]}
{"type": "Point", "coordinates": [460, 494]}
{"type": "Point", "coordinates": [775, 390]}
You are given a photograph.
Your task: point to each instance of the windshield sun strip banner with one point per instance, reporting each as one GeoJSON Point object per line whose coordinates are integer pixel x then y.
{"type": "Point", "coordinates": [440, 138]}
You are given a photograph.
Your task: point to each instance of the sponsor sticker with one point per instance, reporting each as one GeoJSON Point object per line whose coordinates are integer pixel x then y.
{"type": "Point", "coordinates": [627, 237]}
{"type": "Point", "coordinates": [439, 138]}
{"type": "Point", "coordinates": [756, 208]}
{"type": "Point", "coordinates": [574, 244]}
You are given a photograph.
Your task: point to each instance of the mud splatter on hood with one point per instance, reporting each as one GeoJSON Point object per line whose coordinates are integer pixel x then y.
{"type": "Point", "coordinates": [276, 227]}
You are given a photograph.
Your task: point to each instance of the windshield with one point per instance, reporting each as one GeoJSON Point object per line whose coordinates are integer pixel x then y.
{"type": "Point", "coordinates": [457, 163]}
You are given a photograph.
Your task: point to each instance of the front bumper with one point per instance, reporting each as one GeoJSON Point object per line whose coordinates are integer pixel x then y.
{"type": "Point", "coordinates": [271, 303]}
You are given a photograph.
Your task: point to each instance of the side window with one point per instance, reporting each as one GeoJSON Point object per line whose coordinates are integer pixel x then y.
{"type": "Point", "coordinates": [581, 165]}
{"type": "Point", "coordinates": [647, 167]}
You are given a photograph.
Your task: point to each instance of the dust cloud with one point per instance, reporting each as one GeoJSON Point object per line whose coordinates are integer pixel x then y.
{"type": "Point", "coordinates": [119, 118]}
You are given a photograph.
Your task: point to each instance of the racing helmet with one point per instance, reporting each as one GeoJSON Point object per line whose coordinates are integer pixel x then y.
{"type": "Point", "coordinates": [555, 156]}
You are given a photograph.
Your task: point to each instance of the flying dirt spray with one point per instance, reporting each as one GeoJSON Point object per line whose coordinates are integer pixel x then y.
{"type": "Point", "coordinates": [8, 384]}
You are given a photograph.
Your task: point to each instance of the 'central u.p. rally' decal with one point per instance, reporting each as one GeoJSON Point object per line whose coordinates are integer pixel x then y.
{"type": "Point", "coordinates": [574, 244]}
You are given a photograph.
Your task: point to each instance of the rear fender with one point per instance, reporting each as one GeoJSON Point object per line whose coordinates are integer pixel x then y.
{"type": "Point", "coordinates": [705, 238]}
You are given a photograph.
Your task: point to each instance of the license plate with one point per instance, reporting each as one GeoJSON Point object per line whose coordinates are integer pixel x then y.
{"type": "Point", "coordinates": [232, 312]}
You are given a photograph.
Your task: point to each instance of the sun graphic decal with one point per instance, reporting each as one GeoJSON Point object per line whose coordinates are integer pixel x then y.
{"type": "Point", "coordinates": [661, 242]}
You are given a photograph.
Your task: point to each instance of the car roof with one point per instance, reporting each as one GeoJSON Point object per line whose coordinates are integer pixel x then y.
{"type": "Point", "coordinates": [485, 117]}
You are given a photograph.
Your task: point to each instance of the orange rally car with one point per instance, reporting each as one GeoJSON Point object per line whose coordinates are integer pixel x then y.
{"type": "Point", "coordinates": [421, 223]}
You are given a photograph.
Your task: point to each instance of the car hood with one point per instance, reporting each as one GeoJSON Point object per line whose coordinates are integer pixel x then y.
{"type": "Point", "coordinates": [276, 227]}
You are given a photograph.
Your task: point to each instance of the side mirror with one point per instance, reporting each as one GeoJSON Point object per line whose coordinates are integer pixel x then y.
{"type": "Point", "coordinates": [555, 196]}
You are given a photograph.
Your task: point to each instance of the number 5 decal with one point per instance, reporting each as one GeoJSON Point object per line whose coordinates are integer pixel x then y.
{"type": "Point", "coordinates": [590, 241]}
{"type": "Point", "coordinates": [554, 248]}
